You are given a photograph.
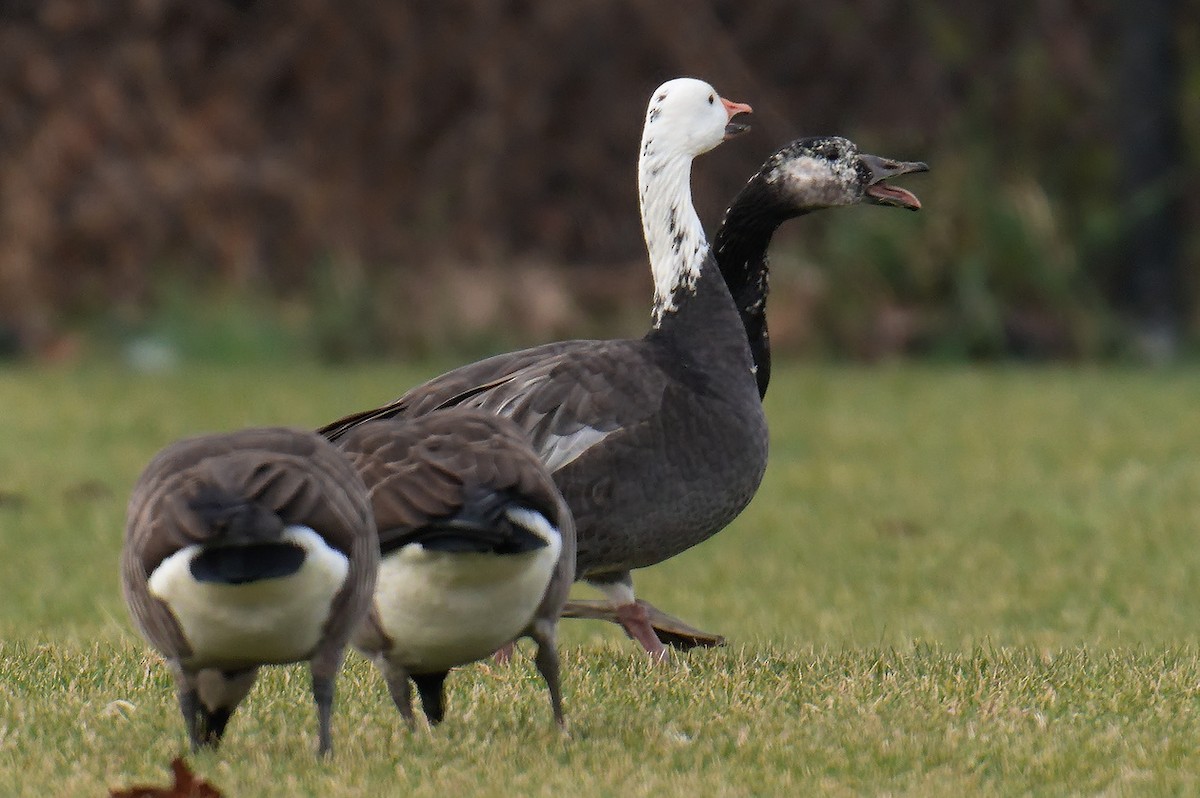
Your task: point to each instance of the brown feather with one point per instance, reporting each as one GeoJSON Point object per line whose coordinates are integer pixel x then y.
{"type": "Point", "coordinates": [294, 473]}
{"type": "Point", "coordinates": [417, 472]}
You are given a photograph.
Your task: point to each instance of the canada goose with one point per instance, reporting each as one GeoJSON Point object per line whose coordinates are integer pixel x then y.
{"type": "Point", "coordinates": [477, 547]}
{"type": "Point", "coordinates": [656, 443]}
{"type": "Point", "coordinates": [245, 549]}
{"type": "Point", "coordinates": [806, 175]}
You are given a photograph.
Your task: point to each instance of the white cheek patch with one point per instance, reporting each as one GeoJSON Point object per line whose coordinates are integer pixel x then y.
{"type": "Point", "coordinates": [802, 169]}
{"type": "Point", "coordinates": [443, 609]}
{"type": "Point", "coordinates": [264, 622]}
{"type": "Point", "coordinates": [536, 523]}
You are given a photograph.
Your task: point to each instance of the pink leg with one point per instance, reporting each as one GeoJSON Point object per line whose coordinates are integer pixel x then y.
{"type": "Point", "coordinates": [634, 619]}
{"type": "Point", "coordinates": [504, 654]}
{"type": "Point", "coordinates": [670, 630]}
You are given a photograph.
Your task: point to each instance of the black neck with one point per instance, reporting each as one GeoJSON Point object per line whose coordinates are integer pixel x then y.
{"type": "Point", "coordinates": [740, 250]}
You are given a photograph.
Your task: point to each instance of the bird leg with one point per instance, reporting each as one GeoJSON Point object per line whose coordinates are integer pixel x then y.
{"type": "Point", "coordinates": [672, 631]}
{"type": "Point", "coordinates": [322, 689]}
{"type": "Point", "coordinates": [504, 654]}
{"type": "Point", "coordinates": [212, 723]}
{"type": "Point", "coordinates": [399, 688]}
{"type": "Point", "coordinates": [194, 716]}
{"type": "Point", "coordinates": [193, 721]}
{"type": "Point", "coordinates": [325, 664]}
{"type": "Point", "coordinates": [429, 687]}
{"type": "Point", "coordinates": [636, 623]}
{"type": "Point", "coordinates": [618, 589]}
{"type": "Point", "coordinates": [207, 700]}
{"type": "Point", "coordinates": [544, 634]}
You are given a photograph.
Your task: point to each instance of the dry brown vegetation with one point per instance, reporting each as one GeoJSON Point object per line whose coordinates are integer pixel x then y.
{"type": "Point", "coordinates": [245, 143]}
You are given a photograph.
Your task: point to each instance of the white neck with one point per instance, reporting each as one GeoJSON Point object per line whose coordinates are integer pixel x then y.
{"type": "Point", "coordinates": [674, 237]}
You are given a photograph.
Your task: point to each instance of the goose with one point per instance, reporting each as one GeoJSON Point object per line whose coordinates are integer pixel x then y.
{"type": "Point", "coordinates": [656, 443]}
{"type": "Point", "coordinates": [245, 549]}
{"type": "Point", "coordinates": [805, 175]}
{"type": "Point", "coordinates": [477, 548]}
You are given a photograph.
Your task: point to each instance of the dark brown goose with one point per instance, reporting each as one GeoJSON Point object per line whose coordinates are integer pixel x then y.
{"type": "Point", "coordinates": [806, 175]}
{"type": "Point", "coordinates": [477, 549]}
{"type": "Point", "coordinates": [247, 549]}
{"type": "Point", "coordinates": [656, 443]}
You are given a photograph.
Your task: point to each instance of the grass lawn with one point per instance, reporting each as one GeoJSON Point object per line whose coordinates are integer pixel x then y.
{"type": "Point", "coordinates": [953, 581]}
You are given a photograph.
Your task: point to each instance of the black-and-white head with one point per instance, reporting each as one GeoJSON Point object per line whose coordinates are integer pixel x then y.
{"type": "Point", "coordinates": [829, 171]}
{"type": "Point", "coordinates": [686, 117]}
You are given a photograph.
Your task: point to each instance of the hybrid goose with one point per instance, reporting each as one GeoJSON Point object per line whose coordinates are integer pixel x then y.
{"type": "Point", "coordinates": [247, 549]}
{"type": "Point", "coordinates": [477, 546]}
{"type": "Point", "coordinates": [656, 443]}
{"type": "Point", "coordinates": [806, 175]}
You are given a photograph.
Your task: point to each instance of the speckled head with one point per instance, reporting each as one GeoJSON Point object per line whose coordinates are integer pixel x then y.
{"type": "Point", "coordinates": [829, 171]}
{"type": "Point", "coordinates": [687, 117]}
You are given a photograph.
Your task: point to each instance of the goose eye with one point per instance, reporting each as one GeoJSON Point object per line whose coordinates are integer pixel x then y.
{"type": "Point", "coordinates": [711, 99]}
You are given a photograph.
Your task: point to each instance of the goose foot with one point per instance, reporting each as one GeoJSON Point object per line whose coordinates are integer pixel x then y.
{"type": "Point", "coordinates": [633, 618]}
{"type": "Point", "coordinates": [504, 654]}
{"type": "Point", "coordinates": [667, 628]}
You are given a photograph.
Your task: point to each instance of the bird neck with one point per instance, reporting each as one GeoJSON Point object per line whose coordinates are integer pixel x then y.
{"type": "Point", "coordinates": [674, 237]}
{"type": "Point", "coordinates": [703, 339]}
{"type": "Point", "coordinates": [740, 250]}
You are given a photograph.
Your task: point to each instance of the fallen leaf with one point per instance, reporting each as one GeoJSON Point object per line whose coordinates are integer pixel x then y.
{"type": "Point", "coordinates": [186, 786]}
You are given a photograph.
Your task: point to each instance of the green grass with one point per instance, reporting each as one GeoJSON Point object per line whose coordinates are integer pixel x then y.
{"type": "Point", "coordinates": [953, 581]}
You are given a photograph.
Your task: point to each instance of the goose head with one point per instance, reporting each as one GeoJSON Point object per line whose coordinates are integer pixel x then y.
{"type": "Point", "coordinates": [829, 171]}
{"type": "Point", "coordinates": [685, 118]}
{"type": "Point", "coordinates": [803, 176]}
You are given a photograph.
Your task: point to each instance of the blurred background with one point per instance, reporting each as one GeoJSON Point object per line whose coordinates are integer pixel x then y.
{"type": "Point", "coordinates": [350, 179]}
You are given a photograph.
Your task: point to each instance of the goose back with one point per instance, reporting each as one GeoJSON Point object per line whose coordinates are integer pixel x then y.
{"type": "Point", "coordinates": [293, 475]}
{"type": "Point", "coordinates": [425, 470]}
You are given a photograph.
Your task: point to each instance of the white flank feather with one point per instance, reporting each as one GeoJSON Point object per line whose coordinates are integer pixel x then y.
{"type": "Point", "coordinates": [269, 621]}
{"type": "Point", "coordinates": [443, 609]}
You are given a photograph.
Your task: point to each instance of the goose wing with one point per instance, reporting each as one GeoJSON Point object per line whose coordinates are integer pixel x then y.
{"type": "Point", "coordinates": [454, 387]}
{"type": "Point", "coordinates": [567, 397]}
{"type": "Point", "coordinates": [574, 401]}
{"type": "Point", "coordinates": [431, 469]}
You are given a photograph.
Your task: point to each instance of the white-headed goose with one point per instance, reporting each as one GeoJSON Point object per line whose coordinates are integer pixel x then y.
{"type": "Point", "coordinates": [245, 549]}
{"type": "Point", "coordinates": [477, 549]}
{"type": "Point", "coordinates": [656, 443]}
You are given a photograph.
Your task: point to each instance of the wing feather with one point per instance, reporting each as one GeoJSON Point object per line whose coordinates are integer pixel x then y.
{"type": "Point", "coordinates": [568, 396]}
